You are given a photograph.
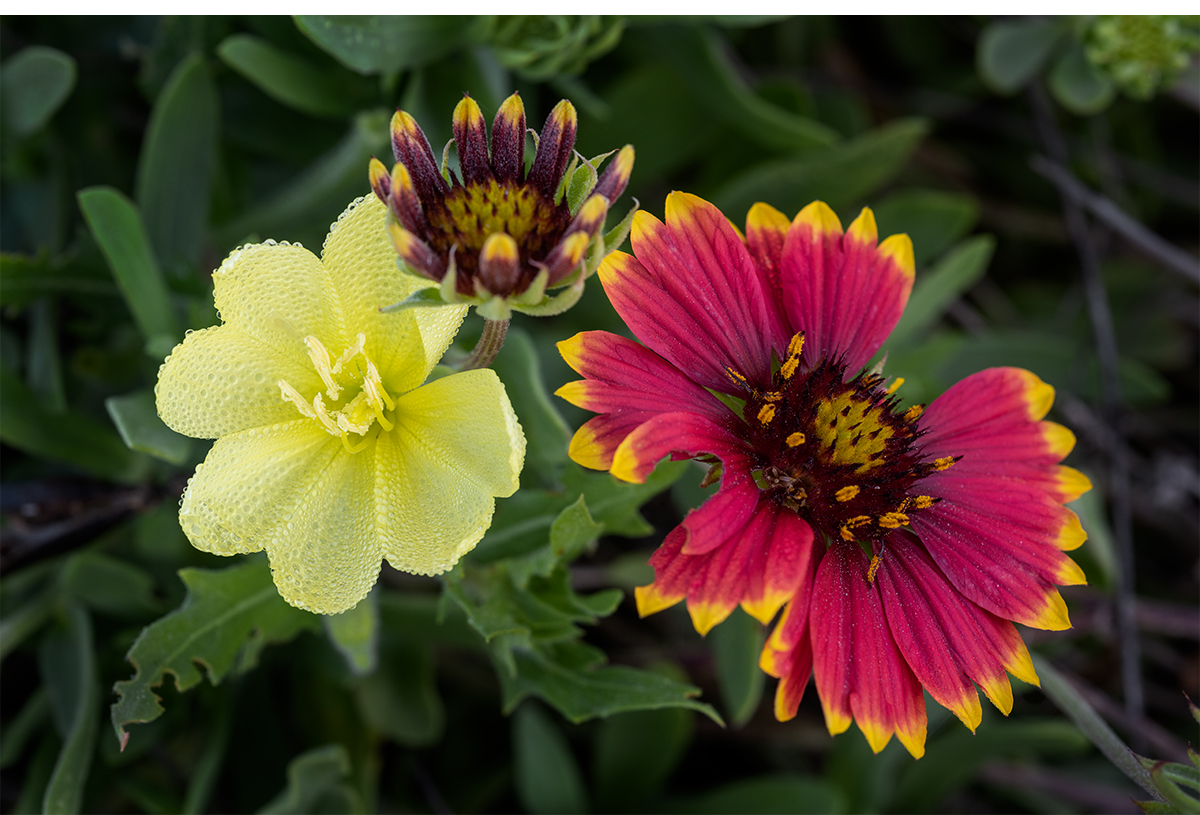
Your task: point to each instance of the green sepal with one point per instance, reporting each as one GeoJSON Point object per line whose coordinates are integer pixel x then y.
{"type": "Point", "coordinates": [535, 292]}
{"type": "Point", "coordinates": [556, 304]}
{"type": "Point", "coordinates": [617, 235]}
{"type": "Point", "coordinates": [446, 161]}
{"type": "Point", "coordinates": [431, 296]}
{"type": "Point", "coordinates": [561, 192]}
{"type": "Point", "coordinates": [449, 284]}
{"type": "Point", "coordinates": [496, 309]}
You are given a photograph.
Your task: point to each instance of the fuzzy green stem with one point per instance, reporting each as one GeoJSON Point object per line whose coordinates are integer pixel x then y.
{"type": "Point", "coordinates": [490, 343]}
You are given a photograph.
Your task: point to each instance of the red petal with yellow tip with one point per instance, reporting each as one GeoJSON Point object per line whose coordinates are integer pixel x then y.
{"type": "Point", "coordinates": [859, 672]}
{"type": "Point", "coordinates": [616, 175]}
{"type": "Point", "coordinates": [470, 139]}
{"type": "Point", "coordinates": [412, 149]}
{"type": "Point", "coordinates": [693, 294]}
{"type": "Point", "coordinates": [508, 140]}
{"type": "Point", "coordinates": [766, 232]}
{"type": "Point", "coordinates": [845, 293]}
{"type": "Point", "coordinates": [554, 148]}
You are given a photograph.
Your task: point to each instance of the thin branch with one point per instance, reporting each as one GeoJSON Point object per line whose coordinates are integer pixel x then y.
{"type": "Point", "coordinates": [1159, 250]}
{"type": "Point", "coordinates": [1104, 336]}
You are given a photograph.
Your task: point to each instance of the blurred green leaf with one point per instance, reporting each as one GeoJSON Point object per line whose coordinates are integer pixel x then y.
{"type": "Point", "coordinates": [1078, 85]}
{"type": "Point", "coordinates": [952, 759]}
{"type": "Point", "coordinates": [700, 56]}
{"type": "Point", "coordinates": [287, 78]}
{"type": "Point", "coordinates": [635, 753]}
{"type": "Point", "coordinates": [783, 794]}
{"type": "Point", "coordinates": [18, 625]}
{"type": "Point", "coordinates": [34, 83]}
{"type": "Point", "coordinates": [736, 644]}
{"type": "Point", "coordinates": [546, 434]}
{"type": "Point", "coordinates": [837, 175]}
{"type": "Point", "coordinates": [136, 418]}
{"type": "Point", "coordinates": [934, 220]}
{"type": "Point", "coordinates": [1011, 53]}
{"type": "Point", "coordinates": [544, 46]}
{"type": "Point", "coordinates": [109, 585]}
{"type": "Point", "coordinates": [382, 44]}
{"type": "Point", "coordinates": [355, 633]}
{"type": "Point", "coordinates": [315, 784]}
{"type": "Point", "coordinates": [400, 699]}
{"type": "Point", "coordinates": [24, 278]}
{"type": "Point", "coordinates": [67, 437]}
{"type": "Point", "coordinates": [176, 165]}
{"type": "Point", "coordinates": [68, 668]}
{"type": "Point", "coordinates": [44, 365]}
{"type": "Point", "coordinates": [547, 776]}
{"type": "Point", "coordinates": [28, 721]}
{"type": "Point", "coordinates": [229, 616]}
{"type": "Point", "coordinates": [117, 227]}
{"type": "Point", "coordinates": [206, 772]}
{"type": "Point", "coordinates": [960, 269]}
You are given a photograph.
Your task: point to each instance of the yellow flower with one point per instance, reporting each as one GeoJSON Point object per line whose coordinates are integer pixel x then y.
{"type": "Point", "coordinates": [330, 454]}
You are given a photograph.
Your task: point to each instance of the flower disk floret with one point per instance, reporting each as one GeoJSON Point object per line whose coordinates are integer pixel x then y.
{"type": "Point", "coordinates": [333, 464]}
{"type": "Point", "coordinates": [895, 546]}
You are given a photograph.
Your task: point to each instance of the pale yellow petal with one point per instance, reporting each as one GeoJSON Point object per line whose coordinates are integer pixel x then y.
{"type": "Point", "coordinates": [456, 446]}
{"type": "Point", "coordinates": [249, 481]}
{"type": "Point", "coordinates": [222, 380]}
{"type": "Point", "coordinates": [361, 264]}
{"type": "Point", "coordinates": [280, 294]}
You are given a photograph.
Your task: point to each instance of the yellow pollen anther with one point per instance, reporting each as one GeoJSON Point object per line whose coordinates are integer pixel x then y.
{"type": "Point", "coordinates": [735, 376]}
{"type": "Point", "coordinates": [895, 386]}
{"type": "Point", "coordinates": [846, 493]}
{"type": "Point", "coordinates": [795, 347]}
{"type": "Point", "coordinates": [943, 463]}
{"type": "Point", "coordinates": [873, 569]}
{"type": "Point", "coordinates": [921, 501]}
{"type": "Point", "coordinates": [292, 395]}
{"type": "Point", "coordinates": [853, 523]}
{"type": "Point", "coordinates": [795, 440]}
{"type": "Point", "coordinates": [766, 414]}
{"type": "Point", "coordinates": [320, 361]}
{"type": "Point", "coordinates": [914, 412]}
{"type": "Point", "coordinates": [350, 353]}
{"type": "Point", "coordinates": [772, 396]}
{"type": "Point", "coordinates": [893, 520]}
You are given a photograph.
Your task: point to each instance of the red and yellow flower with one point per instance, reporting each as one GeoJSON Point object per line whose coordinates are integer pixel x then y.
{"type": "Point", "coordinates": [900, 544]}
{"type": "Point", "coordinates": [502, 235]}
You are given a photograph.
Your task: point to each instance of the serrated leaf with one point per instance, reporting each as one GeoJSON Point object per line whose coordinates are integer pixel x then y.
{"type": "Point", "coordinates": [547, 435]}
{"type": "Point", "coordinates": [736, 644]}
{"type": "Point", "coordinates": [572, 531]}
{"type": "Point", "coordinates": [285, 77]}
{"type": "Point", "coordinates": [837, 175]}
{"type": "Point", "coordinates": [137, 420]}
{"type": "Point", "coordinates": [384, 44]}
{"type": "Point", "coordinates": [1078, 85]}
{"type": "Point", "coordinates": [70, 438]}
{"type": "Point", "coordinates": [315, 778]}
{"type": "Point", "coordinates": [68, 667]}
{"type": "Point", "coordinates": [582, 693]}
{"type": "Point", "coordinates": [176, 164]}
{"type": "Point", "coordinates": [1011, 53]}
{"type": "Point", "coordinates": [547, 776]}
{"type": "Point", "coordinates": [35, 83]}
{"type": "Point", "coordinates": [117, 226]}
{"type": "Point", "coordinates": [355, 633]}
{"type": "Point", "coordinates": [228, 616]}
{"type": "Point", "coordinates": [936, 289]}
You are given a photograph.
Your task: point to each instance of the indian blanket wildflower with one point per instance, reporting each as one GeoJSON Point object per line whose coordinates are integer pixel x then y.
{"type": "Point", "coordinates": [331, 454]}
{"type": "Point", "coordinates": [500, 236]}
{"type": "Point", "coordinates": [899, 543]}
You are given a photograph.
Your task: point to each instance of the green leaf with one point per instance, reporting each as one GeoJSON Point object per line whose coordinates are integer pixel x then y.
{"type": "Point", "coordinates": [1011, 53]}
{"type": "Point", "coordinates": [783, 793]}
{"type": "Point", "coordinates": [29, 721]}
{"type": "Point", "coordinates": [547, 776]}
{"type": "Point", "coordinates": [229, 616]}
{"type": "Point", "coordinates": [547, 435]}
{"type": "Point", "coordinates": [110, 586]}
{"type": "Point", "coordinates": [117, 227]}
{"type": "Point", "coordinates": [136, 418]}
{"type": "Point", "coordinates": [700, 57]}
{"type": "Point", "coordinates": [176, 165]}
{"type": "Point", "coordinates": [355, 633]}
{"type": "Point", "coordinates": [384, 44]}
{"type": "Point", "coordinates": [44, 364]}
{"type": "Point", "coordinates": [837, 175]}
{"type": "Point", "coordinates": [938, 288]}
{"type": "Point", "coordinates": [1168, 776]}
{"type": "Point", "coordinates": [68, 667]}
{"type": "Point", "coordinates": [572, 531]}
{"type": "Point", "coordinates": [315, 781]}
{"type": "Point", "coordinates": [24, 278]}
{"type": "Point", "coordinates": [1078, 85]}
{"type": "Point", "coordinates": [635, 753]}
{"type": "Point", "coordinates": [736, 644]}
{"type": "Point", "coordinates": [285, 77]}
{"type": "Point", "coordinates": [934, 220]}
{"type": "Point", "coordinates": [207, 769]}
{"type": "Point", "coordinates": [400, 699]}
{"type": "Point", "coordinates": [34, 84]}
{"type": "Point", "coordinates": [582, 693]}
{"type": "Point", "coordinates": [69, 438]}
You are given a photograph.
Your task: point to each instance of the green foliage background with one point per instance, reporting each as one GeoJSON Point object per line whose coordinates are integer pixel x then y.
{"type": "Point", "coordinates": [136, 153]}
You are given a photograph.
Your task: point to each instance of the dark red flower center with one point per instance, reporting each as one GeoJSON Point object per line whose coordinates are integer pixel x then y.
{"type": "Point", "coordinates": [840, 453]}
